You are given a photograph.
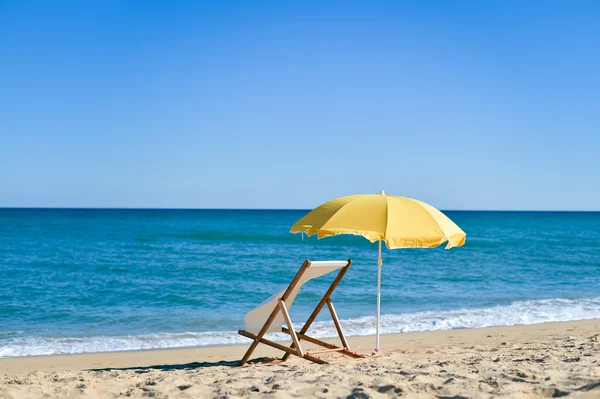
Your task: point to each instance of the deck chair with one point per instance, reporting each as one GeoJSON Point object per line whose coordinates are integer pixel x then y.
{"type": "Point", "coordinates": [271, 315]}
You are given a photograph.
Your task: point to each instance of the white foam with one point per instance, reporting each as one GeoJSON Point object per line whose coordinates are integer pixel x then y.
{"type": "Point", "coordinates": [523, 312]}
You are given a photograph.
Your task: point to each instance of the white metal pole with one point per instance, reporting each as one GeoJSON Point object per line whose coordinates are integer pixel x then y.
{"type": "Point", "coordinates": [379, 263]}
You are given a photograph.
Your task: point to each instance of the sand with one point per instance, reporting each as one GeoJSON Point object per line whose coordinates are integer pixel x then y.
{"type": "Point", "coordinates": [543, 360]}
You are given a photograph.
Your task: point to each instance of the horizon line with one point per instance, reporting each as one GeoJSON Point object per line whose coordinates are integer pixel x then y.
{"type": "Point", "coordinates": [267, 209]}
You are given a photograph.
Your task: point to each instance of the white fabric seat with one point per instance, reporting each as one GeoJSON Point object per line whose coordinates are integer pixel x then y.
{"type": "Point", "coordinates": [256, 318]}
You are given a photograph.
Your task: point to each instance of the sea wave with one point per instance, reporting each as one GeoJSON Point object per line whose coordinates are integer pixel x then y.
{"type": "Point", "coordinates": [521, 312]}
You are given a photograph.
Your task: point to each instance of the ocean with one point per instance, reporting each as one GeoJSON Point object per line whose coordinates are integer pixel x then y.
{"type": "Point", "coordinates": [81, 281]}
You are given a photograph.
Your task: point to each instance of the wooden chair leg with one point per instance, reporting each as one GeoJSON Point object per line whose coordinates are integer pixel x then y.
{"type": "Point", "coordinates": [321, 303]}
{"type": "Point", "coordinates": [269, 321]}
{"type": "Point", "coordinates": [249, 352]}
{"type": "Point", "coordinates": [338, 326]}
{"type": "Point", "coordinates": [288, 321]}
{"type": "Point", "coordinates": [257, 338]}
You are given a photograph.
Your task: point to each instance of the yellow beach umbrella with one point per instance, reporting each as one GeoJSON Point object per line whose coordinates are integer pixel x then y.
{"type": "Point", "coordinates": [400, 222]}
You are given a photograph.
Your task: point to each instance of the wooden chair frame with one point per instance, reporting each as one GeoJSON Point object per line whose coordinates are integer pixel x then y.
{"type": "Point", "coordinates": [296, 347]}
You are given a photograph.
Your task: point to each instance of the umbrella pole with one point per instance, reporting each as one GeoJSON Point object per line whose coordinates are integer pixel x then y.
{"type": "Point", "coordinates": [379, 263]}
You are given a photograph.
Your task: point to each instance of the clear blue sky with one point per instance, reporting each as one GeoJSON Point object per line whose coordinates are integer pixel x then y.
{"type": "Point", "coordinates": [465, 105]}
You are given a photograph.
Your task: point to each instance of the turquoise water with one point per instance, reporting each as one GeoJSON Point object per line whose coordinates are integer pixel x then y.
{"type": "Point", "coordinates": [97, 280]}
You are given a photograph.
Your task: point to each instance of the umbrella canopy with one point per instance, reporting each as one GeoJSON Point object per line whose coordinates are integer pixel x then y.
{"type": "Point", "coordinates": [400, 222]}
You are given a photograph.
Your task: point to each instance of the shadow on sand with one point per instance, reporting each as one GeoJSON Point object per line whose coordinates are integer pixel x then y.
{"type": "Point", "coordinates": [189, 366]}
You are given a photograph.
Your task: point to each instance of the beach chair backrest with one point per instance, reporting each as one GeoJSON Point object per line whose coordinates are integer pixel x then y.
{"type": "Point", "coordinates": [256, 318]}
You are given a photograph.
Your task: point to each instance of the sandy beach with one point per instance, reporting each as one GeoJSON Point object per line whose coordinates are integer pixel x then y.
{"type": "Point", "coordinates": [542, 360]}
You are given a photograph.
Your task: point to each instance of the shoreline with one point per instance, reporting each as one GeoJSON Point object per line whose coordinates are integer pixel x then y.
{"type": "Point", "coordinates": [229, 353]}
{"type": "Point", "coordinates": [516, 313]}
